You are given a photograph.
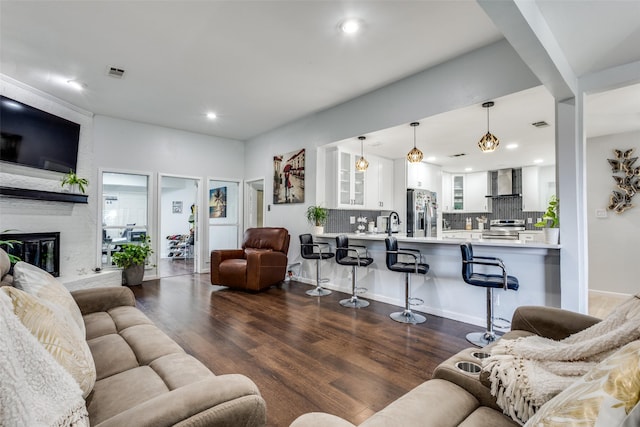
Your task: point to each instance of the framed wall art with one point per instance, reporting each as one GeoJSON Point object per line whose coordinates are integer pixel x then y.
{"type": "Point", "coordinates": [218, 202]}
{"type": "Point", "coordinates": [288, 177]}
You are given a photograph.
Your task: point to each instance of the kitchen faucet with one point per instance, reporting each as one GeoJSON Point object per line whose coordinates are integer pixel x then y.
{"type": "Point", "coordinates": [391, 214]}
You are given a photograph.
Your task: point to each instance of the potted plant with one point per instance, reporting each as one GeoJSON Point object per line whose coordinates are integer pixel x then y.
{"type": "Point", "coordinates": [317, 216]}
{"type": "Point", "coordinates": [551, 222]}
{"type": "Point", "coordinates": [132, 258]}
{"type": "Point", "coordinates": [7, 245]}
{"type": "Point", "coordinates": [72, 180]}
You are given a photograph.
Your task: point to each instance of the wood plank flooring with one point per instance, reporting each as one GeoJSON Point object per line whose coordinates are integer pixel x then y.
{"type": "Point", "coordinates": [304, 353]}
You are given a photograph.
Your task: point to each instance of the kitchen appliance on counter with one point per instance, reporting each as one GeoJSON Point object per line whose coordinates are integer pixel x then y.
{"type": "Point", "coordinates": [422, 213]}
{"type": "Point", "coordinates": [504, 229]}
{"type": "Point", "coordinates": [382, 223]}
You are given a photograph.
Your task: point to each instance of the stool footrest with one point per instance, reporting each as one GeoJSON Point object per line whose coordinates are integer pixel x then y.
{"type": "Point", "coordinates": [416, 301]}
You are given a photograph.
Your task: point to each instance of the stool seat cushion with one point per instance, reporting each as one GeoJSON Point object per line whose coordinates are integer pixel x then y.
{"type": "Point", "coordinates": [318, 255]}
{"type": "Point", "coordinates": [349, 260]}
{"type": "Point", "coordinates": [493, 281]}
{"type": "Point", "coordinates": [409, 267]}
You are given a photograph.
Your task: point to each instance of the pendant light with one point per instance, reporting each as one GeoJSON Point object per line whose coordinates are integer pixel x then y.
{"type": "Point", "coordinates": [489, 142]}
{"type": "Point", "coordinates": [415, 155]}
{"type": "Point", "coordinates": [362, 164]}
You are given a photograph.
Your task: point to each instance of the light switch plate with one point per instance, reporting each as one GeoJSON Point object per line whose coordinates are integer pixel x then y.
{"type": "Point", "coordinates": [529, 220]}
{"type": "Point", "coordinates": [352, 220]}
{"type": "Point", "coordinates": [601, 213]}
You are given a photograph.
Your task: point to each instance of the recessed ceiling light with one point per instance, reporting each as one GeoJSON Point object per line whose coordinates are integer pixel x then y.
{"type": "Point", "coordinates": [512, 146]}
{"type": "Point", "coordinates": [468, 169]}
{"type": "Point", "coordinates": [351, 26]}
{"type": "Point", "coordinates": [431, 159]}
{"type": "Point", "coordinates": [76, 85]}
{"type": "Point", "coordinates": [211, 115]}
{"type": "Point", "coordinates": [538, 161]}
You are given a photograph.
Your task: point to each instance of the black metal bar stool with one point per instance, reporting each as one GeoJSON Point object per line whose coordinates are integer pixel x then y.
{"type": "Point", "coordinates": [307, 251]}
{"type": "Point", "coordinates": [488, 281]}
{"type": "Point", "coordinates": [352, 255]}
{"type": "Point", "coordinates": [416, 267]}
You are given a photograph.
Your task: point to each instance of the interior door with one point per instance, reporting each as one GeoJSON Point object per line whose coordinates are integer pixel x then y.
{"type": "Point", "coordinates": [223, 210]}
{"type": "Point", "coordinates": [254, 203]}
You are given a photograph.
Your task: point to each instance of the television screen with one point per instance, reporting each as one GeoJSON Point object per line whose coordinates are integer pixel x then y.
{"type": "Point", "coordinates": [34, 138]}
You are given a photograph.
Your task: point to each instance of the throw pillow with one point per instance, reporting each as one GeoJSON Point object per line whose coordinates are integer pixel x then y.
{"type": "Point", "coordinates": [602, 398]}
{"type": "Point", "coordinates": [38, 282]}
{"type": "Point", "coordinates": [57, 332]}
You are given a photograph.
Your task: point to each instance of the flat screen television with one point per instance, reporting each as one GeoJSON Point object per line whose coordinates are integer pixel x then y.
{"type": "Point", "coordinates": [37, 139]}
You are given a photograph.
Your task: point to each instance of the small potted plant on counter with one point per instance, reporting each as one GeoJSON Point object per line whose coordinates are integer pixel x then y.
{"type": "Point", "coordinates": [73, 180]}
{"type": "Point", "coordinates": [551, 222]}
{"type": "Point", "coordinates": [132, 259]}
{"type": "Point", "coordinates": [317, 216]}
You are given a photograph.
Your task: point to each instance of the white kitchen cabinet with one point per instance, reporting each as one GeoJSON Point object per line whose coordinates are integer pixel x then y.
{"type": "Point", "coordinates": [446, 193]}
{"type": "Point", "coordinates": [345, 185]}
{"type": "Point", "coordinates": [457, 192]}
{"type": "Point", "coordinates": [538, 185]}
{"type": "Point", "coordinates": [379, 183]}
{"type": "Point", "coordinates": [531, 236]}
{"type": "Point", "coordinates": [475, 190]}
{"type": "Point", "coordinates": [423, 176]}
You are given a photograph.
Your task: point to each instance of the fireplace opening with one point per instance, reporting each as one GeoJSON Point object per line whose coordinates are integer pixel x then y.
{"type": "Point", "coordinates": [39, 249]}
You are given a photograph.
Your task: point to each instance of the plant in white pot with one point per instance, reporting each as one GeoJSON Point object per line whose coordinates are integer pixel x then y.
{"type": "Point", "coordinates": [132, 259]}
{"type": "Point", "coordinates": [551, 222]}
{"type": "Point", "coordinates": [74, 181]}
{"type": "Point", "coordinates": [317, 216]}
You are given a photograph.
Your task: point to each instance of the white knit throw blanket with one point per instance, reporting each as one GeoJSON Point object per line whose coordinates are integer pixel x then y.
{"type": "Point", "coordinates": [527, 372]}
{"type": "Point", "coordinates": [35, 390]}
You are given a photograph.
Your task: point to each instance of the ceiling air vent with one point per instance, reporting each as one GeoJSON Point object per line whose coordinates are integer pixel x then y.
{"type": "Point", "coordinates": [117, 73]}
{"type": "Point", "coordinates": [458, 155]}
{"type": "Point", "coordinates": [541, 124]}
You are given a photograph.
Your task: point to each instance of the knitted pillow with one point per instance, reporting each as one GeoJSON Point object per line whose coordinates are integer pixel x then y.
{"type": "Point", "coordinates": [57, 332]}
{"type": "Point", "coordinates": [35, 281]}
{"type": "Point", "coordinates": [604, 397]}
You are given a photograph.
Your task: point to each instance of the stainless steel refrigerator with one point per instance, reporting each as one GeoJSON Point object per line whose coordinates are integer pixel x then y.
{"type": "Point", "coordinates": [422, 213]}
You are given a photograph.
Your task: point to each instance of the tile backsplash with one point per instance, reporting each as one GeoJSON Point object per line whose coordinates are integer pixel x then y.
{"type": "Point", "coordinates": [339, 220]}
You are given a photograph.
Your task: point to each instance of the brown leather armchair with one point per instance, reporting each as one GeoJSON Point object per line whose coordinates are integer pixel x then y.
{"type": "Point", "coordinates": [260, 263]}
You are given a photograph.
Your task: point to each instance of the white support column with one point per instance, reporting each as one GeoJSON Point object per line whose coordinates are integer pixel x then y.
{"type": "Point", "coordinates": [570, 171]}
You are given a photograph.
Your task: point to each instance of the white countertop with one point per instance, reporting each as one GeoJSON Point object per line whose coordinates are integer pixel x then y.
{"type": "Point", "coordinates": [444, 240]}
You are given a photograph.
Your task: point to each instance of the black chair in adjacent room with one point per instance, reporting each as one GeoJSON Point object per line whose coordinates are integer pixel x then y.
{"type": "Point", "coordinates": [488, 281]}
{"type": "Point", "coordinates": [317, 251]}
{"type": "Point", "coordinates": [354, 256]}
{"type": "Point", "coordinates": [408, 268]}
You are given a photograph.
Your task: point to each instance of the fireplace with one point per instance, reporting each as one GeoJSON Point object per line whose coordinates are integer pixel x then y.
{"type": "Point", "coordinates": [39, 249]}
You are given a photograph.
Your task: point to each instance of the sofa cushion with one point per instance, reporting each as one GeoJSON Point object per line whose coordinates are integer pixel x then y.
{"type": "Point", "coordinates": [54, 328]}
{"type": "Point", "coordinates": [484, 416]}
{"type": "Point", "coordinates": [111, 355]}
{"type": "Point", "coordinates": [180, 369]}
{"type": "Point", "coordinates": [38, 282]}
{"type": "Point", "coordinates": [122, 391]}
{"type": "Point", "coordinates": [439, 401]}
{"type": "Point", "coordinates": [601, 398]}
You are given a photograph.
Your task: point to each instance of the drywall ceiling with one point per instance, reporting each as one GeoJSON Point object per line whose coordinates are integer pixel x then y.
{"type": "Point", "coordinates": [261, 64]}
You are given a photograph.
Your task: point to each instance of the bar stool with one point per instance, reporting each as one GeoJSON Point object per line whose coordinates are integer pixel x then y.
{"type": "Point", "coordinates": [307, 251]}
{"type": "Point", "coordinates": [355, 260]}
{"type": "Point", "coordinates": [417, 267]}
{"type": "Point", "coordinates": [488, 281]}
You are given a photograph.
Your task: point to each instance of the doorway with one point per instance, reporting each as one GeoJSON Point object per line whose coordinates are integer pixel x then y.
{"type": "Point", "coordinates": [224, 210]}
{"type": "Point", "coordinates": [179, 236]}
{"type": "Point", "coordinates": [254, 203]}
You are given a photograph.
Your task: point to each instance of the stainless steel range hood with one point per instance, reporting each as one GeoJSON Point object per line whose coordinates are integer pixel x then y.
{"type": "Point", "coordinates": [505, 184]}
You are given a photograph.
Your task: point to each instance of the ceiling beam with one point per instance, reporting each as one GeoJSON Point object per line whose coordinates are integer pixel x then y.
{"type": "Point", "coordinates": [524, 27]}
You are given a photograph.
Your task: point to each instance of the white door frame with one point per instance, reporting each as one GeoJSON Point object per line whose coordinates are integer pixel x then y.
{"type": "Point", "coordinates": [197, 246]}
{"type": "Point", "coordinates": [249, 201]}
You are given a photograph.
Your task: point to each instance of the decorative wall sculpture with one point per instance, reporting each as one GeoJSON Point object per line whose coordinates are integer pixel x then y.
{"type": "Point", "coordinates": [627, 180]}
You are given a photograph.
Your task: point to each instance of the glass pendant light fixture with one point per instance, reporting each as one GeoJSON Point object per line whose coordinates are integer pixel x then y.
{"type": "Point", "coordinates": [489, 142]}
{"type": "Point", "coordinates": [362, 164]}
{"type": "Point", "coordinates": [415, 155]}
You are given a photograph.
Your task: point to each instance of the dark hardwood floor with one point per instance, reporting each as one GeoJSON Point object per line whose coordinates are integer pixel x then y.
{"type": "Point", "coordinates": [304, 353]}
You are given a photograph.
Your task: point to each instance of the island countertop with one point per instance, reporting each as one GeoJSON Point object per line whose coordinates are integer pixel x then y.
{"type": "Point", "coordinates": [444, 240]}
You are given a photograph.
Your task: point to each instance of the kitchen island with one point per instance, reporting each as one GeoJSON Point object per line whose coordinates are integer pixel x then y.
{"type": "Point", "coordinates": [535, 264]}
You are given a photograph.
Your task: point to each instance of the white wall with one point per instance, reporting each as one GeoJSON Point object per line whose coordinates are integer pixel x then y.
{"type": "Point", "coordinates": [123, 145]}
{"type": "Point", "coordinates": [75, 222]}
{"type": "Point", "coordinates": [486, 73]}
{"type": "Point", "coordinates": [613, 241]}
